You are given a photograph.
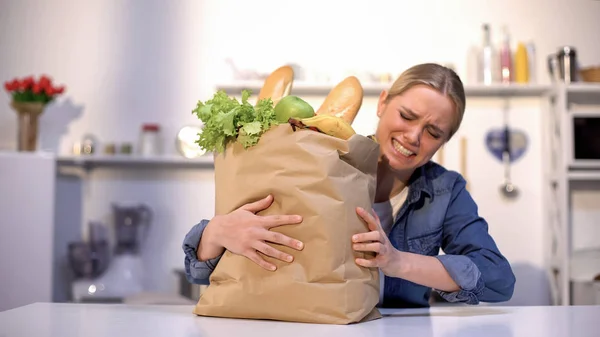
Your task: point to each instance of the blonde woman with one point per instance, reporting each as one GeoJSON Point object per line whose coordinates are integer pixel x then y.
{"type": "Point", "coordinates": [420, 208]}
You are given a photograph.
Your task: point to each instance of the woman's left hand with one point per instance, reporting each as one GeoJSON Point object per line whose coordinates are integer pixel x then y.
{"type": "Point", "coordinates": [387, 257]}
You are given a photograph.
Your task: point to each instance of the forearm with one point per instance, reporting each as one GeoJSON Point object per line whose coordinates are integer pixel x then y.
{"type": "Point", "coordinates": [424, 270]}
{"type": "Point", "coordinates": [196, 271]}
{"type": "Point", "coordinates": [209, 247]}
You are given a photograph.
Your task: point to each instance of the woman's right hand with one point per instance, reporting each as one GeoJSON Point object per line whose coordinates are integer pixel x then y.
{"type": "Point", "coordinates": [244, 233]}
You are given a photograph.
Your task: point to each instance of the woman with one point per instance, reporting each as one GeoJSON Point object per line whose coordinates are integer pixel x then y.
{"type": "Point", "coordinates": [420, 208]}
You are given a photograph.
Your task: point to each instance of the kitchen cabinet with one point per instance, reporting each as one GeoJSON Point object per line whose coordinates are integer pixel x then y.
{"type": "Point", "coordinates": [27, 260]}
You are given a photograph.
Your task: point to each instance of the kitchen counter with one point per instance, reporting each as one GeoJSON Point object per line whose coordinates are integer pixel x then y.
{"type": "Point", "coordinates": [65, 320]}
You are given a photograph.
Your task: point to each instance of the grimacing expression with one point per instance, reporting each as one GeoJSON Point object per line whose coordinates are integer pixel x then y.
{"type": "Point", "coordinates": [413, 126]}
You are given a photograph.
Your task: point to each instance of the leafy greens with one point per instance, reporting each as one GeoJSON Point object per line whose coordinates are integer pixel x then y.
{"type": "Point", "coordinates": [227, 120]}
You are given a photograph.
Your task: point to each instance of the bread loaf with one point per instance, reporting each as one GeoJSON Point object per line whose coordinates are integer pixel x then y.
{"type": "Point", "coordinates": [278, 84]}
{"type": "Point", "coordinates": [344, 100]}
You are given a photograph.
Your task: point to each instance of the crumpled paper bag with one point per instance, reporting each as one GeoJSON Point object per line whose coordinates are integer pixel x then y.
{"type": "Point", "coordinates": [323, 179]}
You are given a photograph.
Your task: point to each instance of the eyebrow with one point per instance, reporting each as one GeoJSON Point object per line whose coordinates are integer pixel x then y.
{"type": "Point", "coordinates": [413, 114]}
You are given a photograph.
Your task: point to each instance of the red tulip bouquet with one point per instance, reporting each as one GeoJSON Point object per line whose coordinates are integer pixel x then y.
{"type": "Point", "coordinates": [29, 98]}
{"type": "Point", "coordinates": [29, 90]}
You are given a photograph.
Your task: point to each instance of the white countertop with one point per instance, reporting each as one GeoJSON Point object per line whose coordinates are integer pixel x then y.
{"type": "Point", "coordinates": [111, 320]}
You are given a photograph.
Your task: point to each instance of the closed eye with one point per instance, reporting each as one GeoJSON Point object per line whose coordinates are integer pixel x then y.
{"type": "Point", "coordinates": [435, 132]}
{"type": "Point", "coordinates": [403, 115]}
{"type": "Point", "coordinates": [409, 115]}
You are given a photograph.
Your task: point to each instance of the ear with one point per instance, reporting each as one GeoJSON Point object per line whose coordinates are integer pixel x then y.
{"type": "Point", "coordinates": [381, 103]}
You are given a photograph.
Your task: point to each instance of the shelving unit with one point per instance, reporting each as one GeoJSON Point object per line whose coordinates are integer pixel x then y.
{"type": "Point", "coordinates": [89, 162]}
{"type": "Point", "coordinates": [374, 89]}
{"type": "Point", "coordinates": [585, 175]}
{"type": "Point", "coordinates": [562, 173]}
{"type": "Point", "coordinates": [591, 88]}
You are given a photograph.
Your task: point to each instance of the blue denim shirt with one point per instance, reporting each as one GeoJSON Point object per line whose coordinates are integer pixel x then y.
{"type": "Point", "coordinates": [438, 213]}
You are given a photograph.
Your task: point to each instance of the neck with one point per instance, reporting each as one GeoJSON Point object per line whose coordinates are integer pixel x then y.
{"type": "Point", "coordinates": [390, 182]}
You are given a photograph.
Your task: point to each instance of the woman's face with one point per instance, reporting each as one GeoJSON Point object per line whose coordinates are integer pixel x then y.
{"type": "Point", "coordinates": [413, 126]}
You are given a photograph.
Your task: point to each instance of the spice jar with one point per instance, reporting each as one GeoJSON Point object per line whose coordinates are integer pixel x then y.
{"type": "Point", "coordinates": [150, 140]}
{"type": "Point", "coordinates": [88, 145]}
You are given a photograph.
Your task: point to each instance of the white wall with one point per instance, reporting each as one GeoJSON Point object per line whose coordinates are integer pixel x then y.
{"type": "Point", "coordinates": [130, 62]}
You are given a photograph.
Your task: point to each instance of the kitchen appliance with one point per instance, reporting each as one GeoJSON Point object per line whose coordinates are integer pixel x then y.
{"type": "Point", "coordinates": [124, 275]}
{"type": "Point", "coordinates": [583, 138]}
{"type": "Point", "coordinates": [563, 65]}
{"type": "Point", "coordinates": [89, 259]}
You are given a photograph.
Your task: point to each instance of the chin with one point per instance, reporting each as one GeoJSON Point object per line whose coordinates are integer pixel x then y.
{"type": "Point", "coordinates": [401, 163]}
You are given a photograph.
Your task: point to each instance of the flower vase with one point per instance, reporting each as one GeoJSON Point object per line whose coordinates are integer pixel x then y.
{"type": "Point", "coordinates": [28, 119]}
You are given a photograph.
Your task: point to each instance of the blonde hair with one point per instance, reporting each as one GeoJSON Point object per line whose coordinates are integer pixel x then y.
{"type": "Point", "coordinates": [443, 79]}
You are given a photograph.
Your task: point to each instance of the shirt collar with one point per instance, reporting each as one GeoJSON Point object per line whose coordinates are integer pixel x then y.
{"type": "Point", "coordinates": [419, 183]}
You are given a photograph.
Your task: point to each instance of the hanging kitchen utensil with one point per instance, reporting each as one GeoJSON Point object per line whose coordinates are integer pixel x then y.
{"type": "Point", "coordinates": [508, 189]}
{"type": "Point", "coordinates": [463, 160]}
{"type": "Point", "coordinates": [494, 142]}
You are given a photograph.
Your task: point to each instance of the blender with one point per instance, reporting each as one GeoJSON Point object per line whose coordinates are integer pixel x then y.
{"type": "Point", "coordinates": [124, 274]}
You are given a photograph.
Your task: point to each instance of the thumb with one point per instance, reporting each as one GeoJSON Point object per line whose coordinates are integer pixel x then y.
{"type": "Point", "coordinates": [258, 205]}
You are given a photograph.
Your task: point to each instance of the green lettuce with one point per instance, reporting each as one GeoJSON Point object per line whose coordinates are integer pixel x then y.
{"type": "Point", "coordinates": [227, 120]}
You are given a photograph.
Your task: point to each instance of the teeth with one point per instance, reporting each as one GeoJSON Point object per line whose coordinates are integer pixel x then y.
{"type": "Point", "coordinates": [402, 149]}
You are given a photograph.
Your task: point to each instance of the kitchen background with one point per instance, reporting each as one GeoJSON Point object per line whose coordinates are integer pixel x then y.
{"type": "Point", "coordinates": [128, 63]}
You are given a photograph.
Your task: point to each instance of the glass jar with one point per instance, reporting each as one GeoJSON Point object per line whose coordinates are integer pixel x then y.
{"type": "Point", "coordinates": [150, 140]}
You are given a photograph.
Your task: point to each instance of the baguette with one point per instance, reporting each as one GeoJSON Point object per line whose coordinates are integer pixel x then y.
{"type": "Point", "coordinates": [278, 84]}
{"type": "Point", "coordinates": [344, 100]}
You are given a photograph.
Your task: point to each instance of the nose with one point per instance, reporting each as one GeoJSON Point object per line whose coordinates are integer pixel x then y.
{"type": "Point", "coordinates": [413, 136]}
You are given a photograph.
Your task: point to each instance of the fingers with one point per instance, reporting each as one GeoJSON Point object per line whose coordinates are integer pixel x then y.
{"type": "Point", "coordinates": [372, 223]}
{"type": "Point", "coordinates": [283, 240]}
{"type": "Point", "coordinates": [369, 263]}
{"type": "Point", "coordinates": [272, 252]}
{"type": "Point", "coordinates": [270, 221]}
{"type": "Point", "coordinates": [253, 255]}
{"type": "Point", "coordinates": [372, 236]}
{"type": "Point", "coordinates": [258, 205]}
{"type": "Point", "coordinates": [376, 247]}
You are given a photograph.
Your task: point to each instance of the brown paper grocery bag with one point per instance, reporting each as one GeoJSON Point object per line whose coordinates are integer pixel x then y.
{"type": "Point", "coordinates": [323, 179]}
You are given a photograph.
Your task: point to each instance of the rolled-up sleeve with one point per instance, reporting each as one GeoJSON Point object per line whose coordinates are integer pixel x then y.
{"type": "Point", "coordinates": [197, 272]}
{"type": "Point", "coordinates": [472, 258]}
{"type": "Point", "coordinates": [466, 275]}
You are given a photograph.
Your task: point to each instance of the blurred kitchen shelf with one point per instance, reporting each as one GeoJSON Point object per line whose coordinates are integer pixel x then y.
{"type": "Point", "coordinates": [134, 161]}
{"type": "Point", "coordinates": [583, 164]}
{"type": "Point", "coordinates": [583, 87]}
{"type": "Point", "coordinates": [374, 89]}
{"type": "Point", "coordinates": [584, 175]}
{"type": "Point", "coordinates": [511, 90]}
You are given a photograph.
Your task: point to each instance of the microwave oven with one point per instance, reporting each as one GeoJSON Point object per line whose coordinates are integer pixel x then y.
{"type": "Point", "coordinates": [583, 139]}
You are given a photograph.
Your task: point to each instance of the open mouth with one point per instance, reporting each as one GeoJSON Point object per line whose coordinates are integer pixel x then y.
{"type": "Point", "coordinates": [401, 149]}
